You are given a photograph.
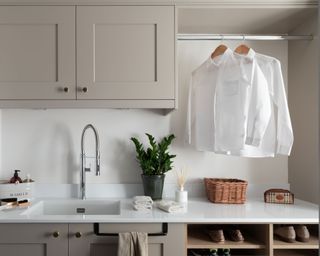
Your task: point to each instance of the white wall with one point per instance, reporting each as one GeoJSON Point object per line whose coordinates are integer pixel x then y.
{"type": "Point", "coordinates": [304, 102]}
{"type": "Point", "coordinates": [46, 143]}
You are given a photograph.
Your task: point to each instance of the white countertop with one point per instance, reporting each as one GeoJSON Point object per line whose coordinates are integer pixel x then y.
{"type": "Point", "coordinates": [199, 211]}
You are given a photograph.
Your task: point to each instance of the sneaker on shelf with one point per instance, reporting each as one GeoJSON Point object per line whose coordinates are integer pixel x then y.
{"type": "Point", "coordinates": [226, 252]}
{"type": "Point", "coordinates": [213, 252]}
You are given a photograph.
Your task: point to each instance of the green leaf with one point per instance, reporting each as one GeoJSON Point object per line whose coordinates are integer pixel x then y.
{"type": "Point", "coordinates": [155, 160]}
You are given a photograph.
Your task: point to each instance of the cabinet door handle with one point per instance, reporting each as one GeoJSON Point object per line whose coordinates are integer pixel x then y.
{"type": "Point", "coordinates": [96, 230]}
{"type": "Point", "coordinates": [84, 89]}
{"type": "Point", "coordinates": [78, 234]}
{"type": "Point", "coordinates": [66, 89]}
{"type": "Point", "coordinates": [56, 234]}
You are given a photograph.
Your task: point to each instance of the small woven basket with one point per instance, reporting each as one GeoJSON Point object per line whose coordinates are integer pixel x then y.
{"type": "Point", "coordinates": [226, 191]}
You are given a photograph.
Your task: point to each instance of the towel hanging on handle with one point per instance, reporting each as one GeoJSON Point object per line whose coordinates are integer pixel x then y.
{"type": "Point", "coordinates": [133, 244]}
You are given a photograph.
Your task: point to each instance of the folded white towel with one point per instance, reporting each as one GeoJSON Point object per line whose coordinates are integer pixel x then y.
{"type": "Point", "coordinates": [145, 204]}
{"type": "Point", "coordinates": [171, 206]}
{"type": "Point", "coordinates": [142, 200]}
{"type": "Point", "coordinates": [142, 203]}
{"type": "Point", "coordinates": [142, 208]}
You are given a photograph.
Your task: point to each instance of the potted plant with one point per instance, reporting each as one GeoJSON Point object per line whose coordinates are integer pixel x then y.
{"type": "Point", "coordinates": [154, 161]}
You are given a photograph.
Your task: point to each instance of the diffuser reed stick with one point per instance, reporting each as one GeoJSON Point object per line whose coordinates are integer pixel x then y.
{"type": "Point", "coordinates": [181, 177]}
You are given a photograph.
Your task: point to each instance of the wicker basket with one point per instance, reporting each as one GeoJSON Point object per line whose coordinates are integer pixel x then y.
{"type": "Point", "coordinates": [226, 191]}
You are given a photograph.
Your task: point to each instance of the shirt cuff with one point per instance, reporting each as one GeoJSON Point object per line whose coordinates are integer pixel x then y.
{"type": "Point", "coordinates": [284, 150]}
{"type": "Point", "coordinates": [253, 141]}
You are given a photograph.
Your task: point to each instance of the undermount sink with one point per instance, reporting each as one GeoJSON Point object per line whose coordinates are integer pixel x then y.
{"type": "Point", "coordinates": [75, 207]}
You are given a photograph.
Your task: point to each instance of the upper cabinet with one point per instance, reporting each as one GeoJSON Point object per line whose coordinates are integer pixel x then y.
{"type": "Point", "coordinates": [37, 49]}
{"type": "Point", "coordinates": [125, 52]}
{"type": "Point", "coordinates": [87, 56]}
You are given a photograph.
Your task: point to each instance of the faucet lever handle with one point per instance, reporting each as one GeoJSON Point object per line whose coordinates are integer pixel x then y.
{"type": "Point", "coordinates": [87, 169]}
{"type": "Point", "coordinates": [98, 170]}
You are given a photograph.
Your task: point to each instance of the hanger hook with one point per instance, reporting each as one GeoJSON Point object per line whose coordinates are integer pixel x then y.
{"type": "Point", "coordinates": [243, 38]}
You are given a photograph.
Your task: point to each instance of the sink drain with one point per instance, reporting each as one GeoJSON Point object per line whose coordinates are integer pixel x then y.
{"type": "Point", "coordinates": [81, 210]}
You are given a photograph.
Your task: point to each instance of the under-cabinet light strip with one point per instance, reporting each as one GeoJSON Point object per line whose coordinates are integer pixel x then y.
{"type": "Point", "coordinates": [182, 37]}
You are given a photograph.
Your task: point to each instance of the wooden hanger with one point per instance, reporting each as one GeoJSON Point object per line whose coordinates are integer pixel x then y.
{"type": "Point", "coordinates": [219, 51]}
{"type": "Point", "coordinates": [242, 49]}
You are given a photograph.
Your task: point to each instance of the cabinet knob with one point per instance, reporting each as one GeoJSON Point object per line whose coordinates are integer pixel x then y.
{"type": "Point", "coordinates": [56, 234]}
{"type": "Point", "coordinates": [66, 89]}
{"type": "Point", "coordinates": [78, 235]}
{"type": "Point", "coordinates": [85, 89]}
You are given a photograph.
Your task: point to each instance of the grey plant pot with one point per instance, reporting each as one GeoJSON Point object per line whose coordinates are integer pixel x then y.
{"type": "Point", "coordinates": [153, 185]}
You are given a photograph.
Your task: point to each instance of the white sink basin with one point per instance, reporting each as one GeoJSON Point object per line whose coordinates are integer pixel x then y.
{"type": "Point", "coordinates": [75, 207]}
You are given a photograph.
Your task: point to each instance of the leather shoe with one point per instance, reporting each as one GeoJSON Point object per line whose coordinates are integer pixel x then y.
{"type": "Point", "coordinates": [216, 235]}
{"type": "Point", "coordinates": [235, 235]}
{"type": "Point", "coordinates": [302, 233]}
{"type": "Point", "coordinates": [286, 234]}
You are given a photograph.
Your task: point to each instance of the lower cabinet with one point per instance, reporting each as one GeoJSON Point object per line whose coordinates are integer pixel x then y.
{"type": "Point", "coordinates": [34, 239]}
{"type": "Point", "coordinates": [83, 241]}
{"type": "Point", "coordinates": [179, 240]}
{"type": "Point", "coordinates": [80, 239]}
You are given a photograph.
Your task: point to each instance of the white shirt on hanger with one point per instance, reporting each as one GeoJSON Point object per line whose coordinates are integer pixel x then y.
{"type": "Point", "coordinates": [231, 109]}
{"type": "Point", "coordinates": [278, 138]}
{"type": "Point", "coordinates": [242, 111]}
{"type": "Point", "coordinates": [200, 116]}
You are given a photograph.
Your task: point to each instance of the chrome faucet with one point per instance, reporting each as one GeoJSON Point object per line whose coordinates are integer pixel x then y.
{"type": "Point", "coordinates": [84, 169]}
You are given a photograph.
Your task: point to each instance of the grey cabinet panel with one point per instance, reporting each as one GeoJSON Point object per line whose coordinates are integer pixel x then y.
{"type": "Point", "coordinates": [33, 239]}
{"type": "Point", "coordinates": [121, 56]}
{"type": "Point", "coordinates": [23, 249]}
{"type": "Point", "coordinates": [37, 49]}
{"type": "Point", "coordinates": [125, 52]}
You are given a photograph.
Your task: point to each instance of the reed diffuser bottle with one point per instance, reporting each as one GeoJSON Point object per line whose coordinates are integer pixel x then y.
{"type": "Point", "coordinates": [181, 195]}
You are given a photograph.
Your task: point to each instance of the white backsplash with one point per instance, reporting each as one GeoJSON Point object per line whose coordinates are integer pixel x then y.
{"type": "Point", "coordinates": [195, 189]}
{"type": "Point", "coordinates": [46, 143]}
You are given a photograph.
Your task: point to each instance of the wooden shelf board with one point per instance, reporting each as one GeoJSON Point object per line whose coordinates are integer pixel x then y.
{"type": "Point", "coordinates": [312, 244]}
{"type": "Point", "coordinates": [295, 253]}
{"type": "Point", "coordinates": [199, 240]}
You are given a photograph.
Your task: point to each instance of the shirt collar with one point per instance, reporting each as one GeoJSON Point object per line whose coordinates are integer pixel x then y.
{"type": "Point", "coordinates": [250, 55]}
{"type": "Point", "coordinates": [217, 61]}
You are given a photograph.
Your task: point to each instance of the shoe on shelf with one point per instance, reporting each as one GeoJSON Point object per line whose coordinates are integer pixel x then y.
{"type": "Point", "coordinates": [213, 252]}
{"type": "Point", "coordinates": [302, 233]}
{"type": "Point", "coordinates": [203, 252]}
{"type": "Point", "coordinates": [226, 252]}
{"type": "Point", "coordinates": [216, 235]}
{"type": "Point", "coordinates": [235, 235]}
{"type": "Point", "coordinates": [286, 233]}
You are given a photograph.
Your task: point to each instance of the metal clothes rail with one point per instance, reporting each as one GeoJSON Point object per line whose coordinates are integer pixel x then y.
{"type": "Point", "coordinates": [244, 37]}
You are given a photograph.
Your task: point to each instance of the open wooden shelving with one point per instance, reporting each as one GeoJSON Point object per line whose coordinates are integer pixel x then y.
{"type": "Point", "coordinates": [199, 240]}
{"type": "Point", "coordinates": [259, 241]}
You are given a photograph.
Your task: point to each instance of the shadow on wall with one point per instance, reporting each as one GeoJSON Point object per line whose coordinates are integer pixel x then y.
{"type": "Point", "coordinates": [122, 159]}
{"type": "Point", "coordinates": [62, 139]}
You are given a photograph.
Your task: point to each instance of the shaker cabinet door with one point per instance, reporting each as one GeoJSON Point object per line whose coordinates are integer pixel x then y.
{"type": "Point", "coordinates": [34, 239]}
{"type": "Point", "coordinates": [125, 52]}
{"type": "Point", "coordinates": [37, 52]}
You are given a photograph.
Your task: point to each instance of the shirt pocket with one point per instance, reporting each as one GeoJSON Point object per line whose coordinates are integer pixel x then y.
{"type": "Point", "coordinates": [231, 88]}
